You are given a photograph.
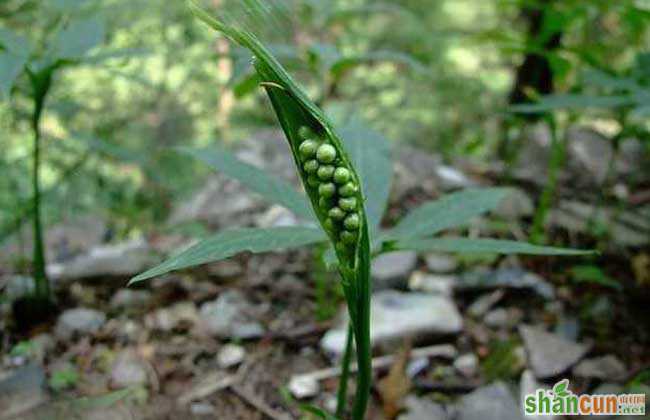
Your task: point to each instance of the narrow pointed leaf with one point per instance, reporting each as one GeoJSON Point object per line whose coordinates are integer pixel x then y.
{"type": "Point", "coordinates": [231, 242]}
{"type": "Point", "coordinates": [450, 211]}
{"type": "Point", "coordinates": [484, 246]}
{"type": "Point", "coordinates": [370, 152]}
{"type": "Point", "coordinates": [259, 181]}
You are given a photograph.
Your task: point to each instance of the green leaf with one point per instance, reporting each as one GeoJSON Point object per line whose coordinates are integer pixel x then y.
{"type": "Point", "coordinates": [79, 37]}
{"type": "Point", "coordinates": [231, 242]}
{"type": "Point", "coordinates": [317, 411]}
{"type": "Point", "coordinates": [10, 68]}
{"type": "Point", "coordinates": [371, 155]}
{"type": "Point", "coordinates": [573, 101]}
{"type": "Point", "coordinates": [484, 246]}
{"type": "Point", "coordinates": [593, 274]}
{"type": "Point", "coordinates": [259, 181]}
{"type": "Point", "coordinates": [450, 211]}
{"type": "Point", "coordinates": [560, 388]}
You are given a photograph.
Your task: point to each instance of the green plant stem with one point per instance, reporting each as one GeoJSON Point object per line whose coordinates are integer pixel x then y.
{"type": "Point", "coordinates": [341, 395]}
{"type": "Point", "coordinates": [538, 233]}
{"type": "Point", "coordinates": [362, 341]}
{"type": "Point", "coordinates": [41, 84]}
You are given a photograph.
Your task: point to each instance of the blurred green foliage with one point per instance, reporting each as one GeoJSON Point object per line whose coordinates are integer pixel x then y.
{"type": "Point", "coordinates": [434, 74]}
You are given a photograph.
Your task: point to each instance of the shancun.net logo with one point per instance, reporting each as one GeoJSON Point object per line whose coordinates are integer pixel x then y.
{"type": "Point", "coordinates": [561, 401]}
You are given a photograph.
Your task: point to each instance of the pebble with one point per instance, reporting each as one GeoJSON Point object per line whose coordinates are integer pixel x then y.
{"type": "Point", "coordinates": [440, 263]}
{"type": "Point", "coordinates": [393, 269]}
{"type": "Point", "coordinates": [128, 370]}
{"type": "Point", "coordinates": [432, 283]}
{"type": "Point", "coordinates": [467, 365]}
{"type": "Point", "coordinates": [79, 321]}
{"type": "Point", "coordinates": [548, 354]}
{"type": "Point", "coordinates": [230, 355]}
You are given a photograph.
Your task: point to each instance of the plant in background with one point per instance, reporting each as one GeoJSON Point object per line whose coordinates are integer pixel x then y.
{"type": "Point", "coordinates": [347, 185]}
{"type": "Point", "coordinates": [66, 46]}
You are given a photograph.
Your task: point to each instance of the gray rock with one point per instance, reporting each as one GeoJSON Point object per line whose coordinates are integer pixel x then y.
{"type": "Point", "coordinates": [548, 354]}
{"type": "Point", "coordinates": [230, 355]}
{"type": "Point", "coordinates": [122, 259]}
{"type": "Point", "coordinates": [589, 153]}
{"type": "Point", "coordinates": [392, 269]}
{"type": "Point", "coordinates": [514, 278]}
{"type": "Point", "coordinates": [128, 370]}
{"type": "Point", "coordinates": [440, 263]}
{"type": "Point", "coordinates": [276, 216]}
{"type": "Point", "coordinates": [451, 178]}
{"type": "Point", "coordinates": [467, 365]}
{"type": "Point", "coordinates": [625, 228]}
{"type": "Point", "coordinates": [515, 205]}
{"type": "Point", "coordinates": [608, 388]}
{"type": "Point", "coordinates": [128, 298]}
{"type": "Point", "coordinates": [441, 284]}
{"type": "Point", "coordinates": [303, 386]}
{"type": "Point", "coordinates": [395, 315]}
{"type": "Point", "coordinates": [422, 409]}
{"type": "Point", "coordinates": [529, 385]}
{"type": "Point", "coordinates": [606, 367]}
{"type": "Point", "coordinates": [21, 390]}
{"type": "Point", "coordinates": [79, 321]}
{"type": "Point", "coordinates": [16, 287]}
{"type": "Point", "coordinates": [230, 316]}
{"type": "Point", "coordinates": [181, 315]}
{"type": "Point", "coordinates": [491, 402]}
{"type": "Point", "coordinates": [484, 303]}
{"type": "Point", "coordinates": [503, 318]}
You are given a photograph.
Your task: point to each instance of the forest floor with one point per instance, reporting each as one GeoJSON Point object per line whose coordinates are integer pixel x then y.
{"type": "Point", "coordinates": [255, 336]}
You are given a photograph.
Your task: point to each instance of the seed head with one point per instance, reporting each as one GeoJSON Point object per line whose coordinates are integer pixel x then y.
{"type": "Point", "coordinates": [306, 132]}
{"type": "Point", "coordinates": [348, 190]}
{"type": "Point", "coordinates": [313, 181]}
{"type": "Point", "coordinates": [327, 190]}
{"type": "Point", "coordinates": [325, 172]}
{"type": "Point", "coordinates": [326, 153]}
{"type": "Point", "coordinates": [348, 204]}
{"type": "Point", "coordinates": [352, 222]}
{"type": "Point", "coordinates": [336, 213]}
{"type": "Point", "coordinates": [308, 148]}
{"type": "Point", "coordinates": [341, 175]}
{"type": "Point", "coordinates": [311, 166]}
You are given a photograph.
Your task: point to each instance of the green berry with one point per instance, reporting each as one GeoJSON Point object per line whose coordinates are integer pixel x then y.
{"type": "Point", "coordinates": [330, 225]}
{"type": "Point", "coordinates": [352, 222]}
{"type": "Point", "coordinates": [311, 166]}
{"type": "Point", "coordinates": [306, 132]}
{"type": "Point", "coordinates": [341, 247]}
{"type": "Point", "coordinates": [325, 172]}
{"type": "Point", "coordinates": [308, 148]}
{"type": "Point", "coordinates": [336, 213]}
{"type": "Point", "coordinates": [348, 190]}
{"type": "Point", "coordinates": [348, 204]}
{"type": "Point", "coordinates": [327, 190]}
{"type": "Point", "coordinates": [325, 203]}
{"type": "Point", "coordinates": [348, 238]}
{"type": "Point", "coordinates": [341, 175]}
{"type": "Point", "coordinates": [312, 181]}
{"type": "Point", "coordinates": [326, 153]}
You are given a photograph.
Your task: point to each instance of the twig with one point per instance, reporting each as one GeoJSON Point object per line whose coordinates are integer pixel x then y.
{"type": "Point", "coordinates": [258, 402]}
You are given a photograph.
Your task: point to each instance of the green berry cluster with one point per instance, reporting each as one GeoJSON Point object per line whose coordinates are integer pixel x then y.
{"type": "Point", "coordinates": [327, 174]}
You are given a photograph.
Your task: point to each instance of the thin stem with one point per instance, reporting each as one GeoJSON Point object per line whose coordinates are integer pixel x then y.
{"type": "Point", "coordinates": [341, 396]}
{"type": "Point", "coordinates": [41, 83]}
{"type": "Point", "coordinates": [556, 161]}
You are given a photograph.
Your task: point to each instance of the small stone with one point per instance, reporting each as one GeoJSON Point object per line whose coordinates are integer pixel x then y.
{"type": "Point", "coordinates": [513, 278]}
{"type": "Point", "coordinates": [228, 316]}
{"type": "Point", "coordinates": [304, 386]}
{"type": "Point", "coordinates": [501, 318]}
{"type": "Point", "coordinates": [467, 365]}
{"type": "Point", "coordinates": [440, 263]}
{"type": "Point", "coordinates": [81, 321]}
{"type": "Point", "coordinates": [550, 355]}
{"type": "Point", "coordinates": [395, 315]}
{"type": "Point", "coordinates": [128, 370]}
{"type": "Point", "coordinates": [484, 303]}
{"type": "Point", "coordinates": [202, 409]}
{"type": "Point", "coordinates": [432, 283]}
{"type": "Point", "coordinates": [128, 298]}
{"type": "Point", "coordinates": [230, 355]}
{"type": "Point", "coordinates": [181, 315]}
{"type": "Point", "coordinates": [422, 409]}
{"type": "Point", "coordinates": [491, 402]}
{"type": "Point", "coordinates": [529, 385]}
{"type": "Point", "coordinates": [606, 367]}
{"type": "Point", "coordinates": [21, 389]}
{"type": "Point", "coordinates": [392, 269]}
